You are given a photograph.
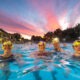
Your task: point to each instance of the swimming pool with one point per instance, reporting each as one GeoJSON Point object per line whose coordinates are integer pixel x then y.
{"type": "Point", "coordinates": [27, 70]}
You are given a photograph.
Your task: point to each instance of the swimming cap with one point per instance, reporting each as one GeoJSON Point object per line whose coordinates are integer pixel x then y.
{"type": "Point", "coordinates": [76, 43]}
{"type": "Point", "coordinates": [42, 43]}
{"type": "Point", "coordinates": [7, 43]}
{"type": "Point", "coordinates": [54, 40]}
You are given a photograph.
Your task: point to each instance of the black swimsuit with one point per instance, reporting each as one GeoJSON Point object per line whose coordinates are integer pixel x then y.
{"type": "Point", "coordinates": [9, 59]}
{"type": "Point", "coordinates": [43, 54]}
{"type": "Point", "coordinates": [76, 57]}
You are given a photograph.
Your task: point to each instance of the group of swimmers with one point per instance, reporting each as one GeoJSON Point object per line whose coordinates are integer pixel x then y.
{"type": "Point", "coordinates": [7, 47]}
{"type": "Point", "coordinates": [57, 48]}
{"type": "Point", "coordinates": [42, 46]}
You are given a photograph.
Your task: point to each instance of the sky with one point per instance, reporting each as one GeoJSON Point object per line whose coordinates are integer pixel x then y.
{"type": "Point", "coordinates": [37, 17]}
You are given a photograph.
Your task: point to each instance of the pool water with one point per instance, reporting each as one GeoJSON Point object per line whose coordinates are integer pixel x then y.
{"type": "Point", "coordinates": [27, 68]}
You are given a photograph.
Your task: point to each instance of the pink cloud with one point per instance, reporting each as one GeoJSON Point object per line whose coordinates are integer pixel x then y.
{"type": "Point", "coordinates": [15, 25]}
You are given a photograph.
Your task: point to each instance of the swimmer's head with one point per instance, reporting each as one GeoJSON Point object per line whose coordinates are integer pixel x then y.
{"type": "Point", "coordinates": [41, 45]}
{"type": "Point", "coordinates": [55, 40]}
{"type": "Point", "coordinates": [7, 43]}
{"type": "Point", "coordinates": [76, 43]}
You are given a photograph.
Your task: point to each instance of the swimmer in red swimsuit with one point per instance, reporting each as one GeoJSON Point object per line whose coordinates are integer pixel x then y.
{"type": "Point", "coordinates": [41, 53]}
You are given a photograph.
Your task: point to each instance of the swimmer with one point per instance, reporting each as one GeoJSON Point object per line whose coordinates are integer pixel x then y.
{"type": "Point", "coordinates": [61, 54]}
{"type": "Point", "coordinates": [56, 44]}
{"type": "Point", "coordinates": [76, 47]}
{"type": "Point", "coordinates": [7, 47]}
{"type": "Point", "coordinates": [8, 57]}
{"type": "Point", "coordinates": [41, 53]}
